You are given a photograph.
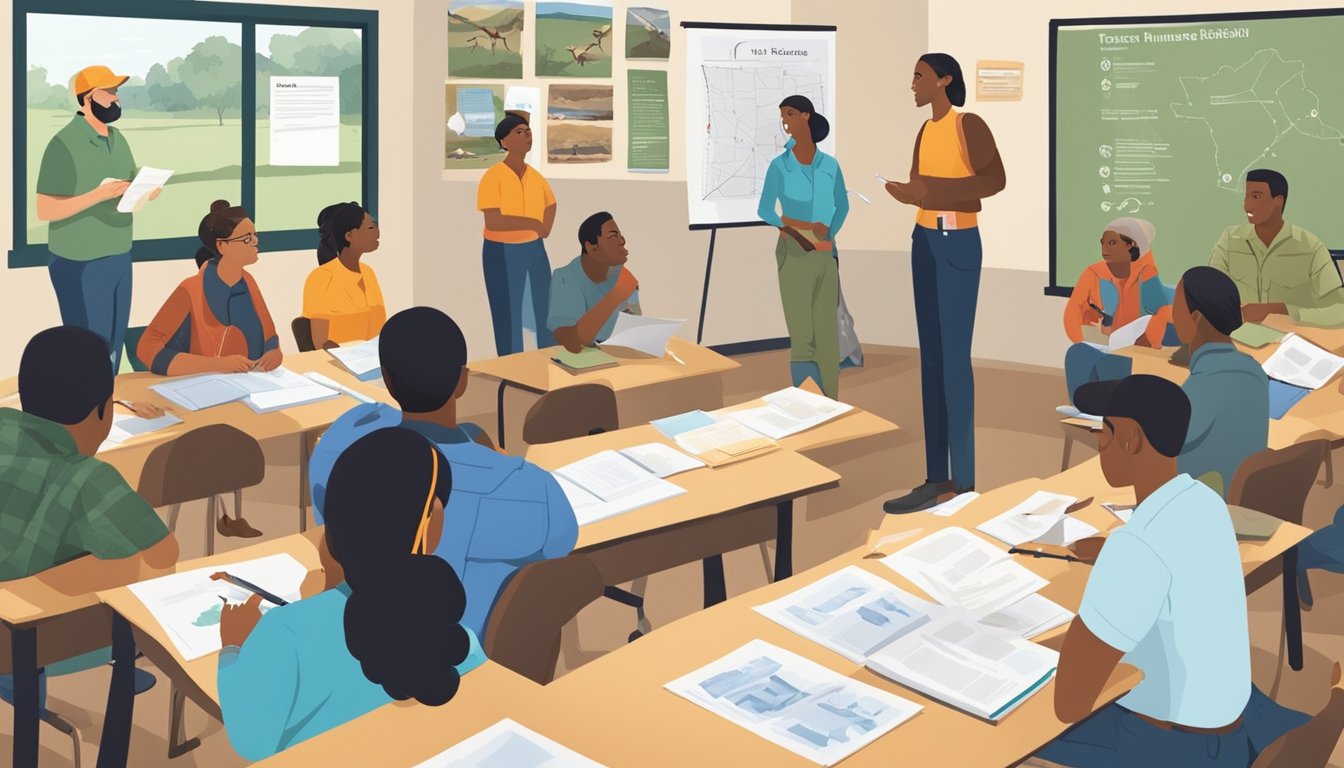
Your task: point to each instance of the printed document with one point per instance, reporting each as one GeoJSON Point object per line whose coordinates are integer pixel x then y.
{"type": "Point", "coordinates": [1029, 520]}
{"type": "Point", "coordinates": [851, 612]}
{"type": "Point", "coordinates": [146, 181]}
{"type": "Point", "coordinates": [642, 334]}
{"type": "Point", "coordinates": [1123, 337]}
{"type": "Point", "coordinates": [958, 568]}
{"type": "Point", "coordinates": [662, 460]}
{"type": "Point", "coordinates": [795, 703]}
{"type": "Point", "coordinates": [507, 744]}
{"type": "Point", "coordinates": [305, 128]}
{"type": "Point", "coordinates": [361, 360]}
{"type": "Point", "coordinates": [126, 426]}
{"type": "Point", "coordinates": [618, 484]}
{"type": "Point", "coordinates": [1029, 617]}
{"type": "Point", "coordinates": [1301, 363]}
{"type": "Point", "coordinates": [262, 391]}
{"type": "Point", "coordinates": [790, 411]}
{"type": "Point", "coordinates": [723, 441]}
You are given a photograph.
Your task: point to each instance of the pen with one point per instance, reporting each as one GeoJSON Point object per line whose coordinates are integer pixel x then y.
{"type": "Point", "coordinates": [250, 587]}
{"type": "Point", "coordinates": [1105, 318]}
{"type": "Point", "coordinates": [1039, 553]}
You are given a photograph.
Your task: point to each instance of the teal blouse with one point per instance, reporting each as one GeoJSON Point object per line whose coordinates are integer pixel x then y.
{"type": "Point", "coordinates": [294, 678]}
{"type": "Point", "coordinates": [813, 192]}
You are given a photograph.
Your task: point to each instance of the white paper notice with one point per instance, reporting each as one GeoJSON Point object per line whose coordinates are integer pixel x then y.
{"type": "Point", "coordinates": [507, 744]}
{"type": "Point", "coordinates": [642, 334]}
{"type": "Point", "coordinates": [146, 181]}
{"type": "Point", "coordinates": [305, 121]}
{"type": "Point", "coordinates": [520, 98]}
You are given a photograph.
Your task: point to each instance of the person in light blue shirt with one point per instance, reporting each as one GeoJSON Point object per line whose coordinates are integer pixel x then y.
{"type": "Point", "coordinates": [1228, 389]}
{"type": "Point", "coordinates": [1167, 596]}
{"type": "Point", "coordinates": [590, 292]}
{"type": "Point", "coordinates": [504, 512]}
{"type": "Point", "coordinates": [389, 628]}
{"type": "Point", "coordinates": [804, 197]}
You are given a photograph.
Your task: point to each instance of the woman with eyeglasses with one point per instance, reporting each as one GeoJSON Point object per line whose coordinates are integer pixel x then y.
{"type": "Point", "coordinates": [216, 320]}
{"type": "Point", "coordinates": [389, 630]}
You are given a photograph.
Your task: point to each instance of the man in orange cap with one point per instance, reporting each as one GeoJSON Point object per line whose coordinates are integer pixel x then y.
{"type": "Point", "coordinates": [86, 168]}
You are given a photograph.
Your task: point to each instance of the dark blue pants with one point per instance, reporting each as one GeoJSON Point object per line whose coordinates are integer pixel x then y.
{"type": "Point", "coordinates": [1084, 363]}
{"type": "Point", "coordinates": [509, 267]}
{"type": "Point", "coordinates": [95, 295]}
{"type": "Point", "coordinates": [1114, 737]}
{"type": "Point", "coordinates": [946, 269]}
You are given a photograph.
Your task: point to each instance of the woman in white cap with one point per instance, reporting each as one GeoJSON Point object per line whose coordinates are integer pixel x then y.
{"type": "Point", "coordinates": [1111, 294]}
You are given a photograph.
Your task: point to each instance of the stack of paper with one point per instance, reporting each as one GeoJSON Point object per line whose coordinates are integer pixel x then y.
{"type": "Point", "coordinates": [1302, 364]}
{"type": "Point", "coordinates": [642, 334]}
{"type": "Point", "coordinates": [608, 484]}
{"type": "Point", "coordinates": [795, 703]}
{"type": "Point", "coordinates": [361, 360]}
{"type": "Point", "coordinates": [1029, 617]}
{"type": "Point", "coordinates": [188, 604]}
{"type": "Point", "coordinates": [852, 612]}
{"type": "Point", "coordinates": [958, 568]}
{"type": "Point", "coordinates": [723, 441]}
{"type": "Point", "coordinates": [790, 411]}
{"type": "Point", "coordinates": [290, 390]}
{"type": "Point", "coordinates": [1123, 337]}
{"type": "Point", "coordinates": [261, 391]}
{"type": "Point", "coordinates": [507, 744]}
{"type": "Point", "coordinates": [126, 426]}
{"type": "Point", "coordinates": [661, 460]}
{"type": "Point", "coordinates": [977, 669]}
{"type": "Point", "coordinates": [1040, 518]}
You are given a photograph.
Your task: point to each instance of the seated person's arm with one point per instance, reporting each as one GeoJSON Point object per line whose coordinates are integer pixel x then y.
{"type": "Point", "coordinates": [1085, 664]}
{"type": "Point", "coordinates": [318, 309]}
{"type": "Point", "coordinates": [91, 574]}
{"type": "Point", "coordinates": [164, 345]}
{"type": "Point", "coordinates": [321, 330]}
{"type": "Point", "coordinates": [500, 222]}
{"type": "Point", "coordinates": [1076, 311]}
{"type": "Point", "coordinates": [1328, 311]}
{"type": "Point", "coordinates": [575, 335]}
{"type": "Point", "coordinates": [258, 677]}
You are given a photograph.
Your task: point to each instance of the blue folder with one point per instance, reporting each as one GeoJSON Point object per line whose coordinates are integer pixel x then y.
{"type": "Point", "coordinates": [1282, 397]}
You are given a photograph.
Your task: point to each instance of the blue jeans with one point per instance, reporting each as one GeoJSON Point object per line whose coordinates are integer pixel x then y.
{"type": "Point", "coordinates": [1084, 364]}
{"type": "Point", "coordinates": [1114, 737]}
{"type": "Point", "coordinates": [95, 295]}
{"type": "Point", "coordinates": [509, 269]}
{"type": "Point", "coordinates": [946, 270]}
{"type": "Point", "coordinates": [1323, 549]}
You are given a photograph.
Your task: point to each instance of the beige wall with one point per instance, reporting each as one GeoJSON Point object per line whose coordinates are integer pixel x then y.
{"type": "Point", "coordinates": [27, 304]}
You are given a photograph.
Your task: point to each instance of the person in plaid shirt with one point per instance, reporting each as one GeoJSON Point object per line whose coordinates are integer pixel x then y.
{"type": "Point", "coordinates": [57, 502]}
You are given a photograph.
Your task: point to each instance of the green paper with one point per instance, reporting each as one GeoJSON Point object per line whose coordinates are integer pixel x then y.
{"type": "Point", "coordinates": [1255, 335]}
{"type": "Point", "coordinates": [588, 357]}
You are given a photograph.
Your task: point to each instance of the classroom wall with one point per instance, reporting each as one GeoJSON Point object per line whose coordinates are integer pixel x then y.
{"type": "Point", "coordinates": [28, 305]}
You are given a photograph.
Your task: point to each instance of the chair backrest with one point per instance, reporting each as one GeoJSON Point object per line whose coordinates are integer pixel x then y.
{"type": "Point", "coordinates": [1277, 482]}
{"type": "Point", "coordinates": [303, 334]}
{"type": "Point", "coordinates": [583, 409]}
{"type": "Point", "coordinates": [523, 631]}
{"type": "Point", "coordinates": [204, 462]}
{"type": "Point", "coordinates": [132, 341]}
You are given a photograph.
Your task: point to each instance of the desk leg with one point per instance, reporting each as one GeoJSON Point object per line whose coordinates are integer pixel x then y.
{"type": "Point", "coordinates": [24, 652]}
{"type": "Point", "coordinates": [784, 540]}
{"type": "Point", "coordinates": [500, 414]}
{"type": "Point", "coordinates": [114, 749]}
{"type": "Point", "coordinates": [1292, 610]}
{"type": "Point", "coordinates": [715, 590]}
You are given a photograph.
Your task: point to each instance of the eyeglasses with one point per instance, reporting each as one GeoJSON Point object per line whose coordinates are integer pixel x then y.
{"type": "Point", "coordinates": [251, 238]}
{"type": "Point", "coordinates": [421, 544]}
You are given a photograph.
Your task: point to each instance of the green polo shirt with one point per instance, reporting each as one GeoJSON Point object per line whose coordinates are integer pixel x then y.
{"type": "Point", "coordinates": [1296, 269]}
{"type": "Point", "coordinates": [57, 504]}
{"type": "Point", "coordinates": [76, 161]}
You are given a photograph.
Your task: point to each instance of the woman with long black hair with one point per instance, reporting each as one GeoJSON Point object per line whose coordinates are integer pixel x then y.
{"type": "Point", "coordinates": [342, 297]}
{"type": "Point", "coordinates": [389, 629]}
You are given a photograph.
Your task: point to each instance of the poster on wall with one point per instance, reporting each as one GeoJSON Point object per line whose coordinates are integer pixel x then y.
{"type": "Point", "coordinates": [472, 112]}
{"type": "Point", "coordinates": [648, 146]}
{"type": "Point", "coordinates": [648, 34]}
{"type": "Point", "coordinates": [485, 39]}
{"type": "Point", "coordinates": [578, 124]}
{"type": "Point", "coordinates": [574, 39]}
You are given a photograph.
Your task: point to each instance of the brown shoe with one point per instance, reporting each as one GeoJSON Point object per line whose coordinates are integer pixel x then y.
{"type": "Point", "coordinates": [235, 526]}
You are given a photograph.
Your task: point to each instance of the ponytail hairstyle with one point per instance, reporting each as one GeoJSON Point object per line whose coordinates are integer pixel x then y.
{"type": "Point", "coordinates": [817, 125]}
{"type": "Point", "coordinates": [218, 224]}
{"type": "Point", "coordinates": [332, 224]}
{"type": "Point", "coordinates": [944, 65]}
{"type": "Point", "coordinates": [402, 618]}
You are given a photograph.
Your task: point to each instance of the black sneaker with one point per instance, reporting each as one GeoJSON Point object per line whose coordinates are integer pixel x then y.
{"type": "Point", "coordinates": [919, 498]}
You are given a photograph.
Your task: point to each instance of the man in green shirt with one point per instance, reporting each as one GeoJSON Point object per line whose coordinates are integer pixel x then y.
{"type": "Point", "coordinates": [86, 168]}
{"type": "Point", "coordinates": [1279, 268]}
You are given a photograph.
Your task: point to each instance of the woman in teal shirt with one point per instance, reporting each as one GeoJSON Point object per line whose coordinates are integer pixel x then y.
{"type": "Point", "coordinates": [388, 630]}
{"type": "Point", "coordinates": [807, 185]}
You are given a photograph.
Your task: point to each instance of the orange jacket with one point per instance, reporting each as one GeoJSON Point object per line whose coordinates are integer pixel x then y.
{"type": "Point", "coordinates": [209, 336]}
{"type": "Point", "coordinates": [1142, 293]}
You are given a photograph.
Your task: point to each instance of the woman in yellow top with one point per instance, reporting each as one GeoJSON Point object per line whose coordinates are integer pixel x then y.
{"type": "Point", "coordinates": [519, 209]}
{"type": "Point", "coordinates": [342, 297]}
{"type": "Point", "coordinates": [956, 164]}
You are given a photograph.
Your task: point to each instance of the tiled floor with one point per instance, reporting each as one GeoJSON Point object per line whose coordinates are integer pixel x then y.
{"type": "Point", "coordinates": [1017, 437]}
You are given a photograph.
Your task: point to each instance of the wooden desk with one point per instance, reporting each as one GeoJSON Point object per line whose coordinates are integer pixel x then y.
{"type": "Point", "coordinates": [533, 371]}
{"type": "Point", "coordinates": [133, 626]}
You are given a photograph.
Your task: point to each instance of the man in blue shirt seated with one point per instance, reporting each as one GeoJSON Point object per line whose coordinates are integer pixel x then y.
{"type": "Point", "coordinates": [504, 512]}
{"type": "Point", "coordinates": [589, 292]}
{"type": "Point", "coordinates": [1166, 595]}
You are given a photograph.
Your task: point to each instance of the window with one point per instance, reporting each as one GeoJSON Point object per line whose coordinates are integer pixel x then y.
{"type": "Point", "coordinates": [197, 106]}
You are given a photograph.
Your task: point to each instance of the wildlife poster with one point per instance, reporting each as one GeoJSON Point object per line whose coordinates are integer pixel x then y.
{"type": "Point", "coordinates": [574, 39]}
{"type": "Point", "coordinates": [485, 39]}
{"type": "Point", "coordinates": [648, 34]}
{"type": "Point", "coordinates": [578, 124]}
{"type": "Point", "coordinates": [470, 114]}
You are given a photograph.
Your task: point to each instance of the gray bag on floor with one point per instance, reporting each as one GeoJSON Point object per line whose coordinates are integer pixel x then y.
{"type": "Point", "coordinates": [851, 352]}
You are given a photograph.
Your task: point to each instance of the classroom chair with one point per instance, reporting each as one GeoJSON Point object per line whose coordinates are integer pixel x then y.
{"type": "Point", "coordinates": [583, 409]}
{"type": "Point", "coordinates": [132, 341]}
{"type": "Point", "coordinates": [1075, 430]}
{"type": "Point", "coordinates": [205, 463]}
{"type": "Point", "coordinates": [523, 632]}
{"type": "Point", "coordinates": [302, 328]}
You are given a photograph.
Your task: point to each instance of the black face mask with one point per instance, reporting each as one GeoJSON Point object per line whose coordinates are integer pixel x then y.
{"type": "Point", "coordinates": [108, 114]}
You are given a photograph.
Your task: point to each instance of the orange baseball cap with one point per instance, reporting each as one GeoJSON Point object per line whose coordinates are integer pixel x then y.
{"type": "Point", "coordinates": [97, 76]}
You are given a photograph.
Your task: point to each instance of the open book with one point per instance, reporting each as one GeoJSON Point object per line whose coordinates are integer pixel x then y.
{"type": "Point", "coordinates": [956, 567]}
{"type": "Point", "coordinates": [607, 484]}
{"type": "Point", "coordinates": [790, 411]}
{"type": "Point", "coordinates": [1041, 518]}
{"type": "Point", "coordinates": [1296, 369]}
{"type": "Point", "coordinates": [361, 360]}
{"type": "Point", "coordinates": [261, 391]}
{"type": "Point", "coordinates": [1124, 337]}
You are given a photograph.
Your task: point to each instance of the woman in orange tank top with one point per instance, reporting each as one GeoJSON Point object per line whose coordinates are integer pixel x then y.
{"type": "Point", "coordinates": [956, 164]}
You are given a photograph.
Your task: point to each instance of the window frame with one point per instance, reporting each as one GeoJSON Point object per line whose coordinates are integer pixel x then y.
{"type": "Point", "coordinates": [248, 17]}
